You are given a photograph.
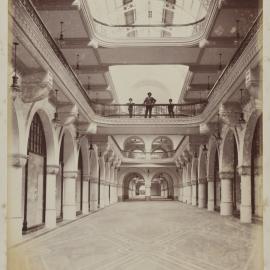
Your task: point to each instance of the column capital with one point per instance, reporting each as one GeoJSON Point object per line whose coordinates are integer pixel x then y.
{"type": "Point", "coordinates": [52, 169]}
{"type": "Point", "coordinates": [244, 170]}
{"type": "Point", "coordinates": [193, 182]}
{"type": "Point", "coordinates": [226, 175]}
{"type": "Point", "coordinates": [18, 160]}
{"type": "Point", "coordinates": [70, 174]}
{"type": "Point", "coordinates": [202, 180]}
{"type": "Point", "coordinates": [86, 177]}
{"type": "Point", "coordinates": [210, 178]}
{"type": "Point", "coordinates": [93, 179]}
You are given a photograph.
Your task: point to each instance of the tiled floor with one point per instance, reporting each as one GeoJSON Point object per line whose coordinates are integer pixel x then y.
{"type": "Point", "coordinates": [144, 236]}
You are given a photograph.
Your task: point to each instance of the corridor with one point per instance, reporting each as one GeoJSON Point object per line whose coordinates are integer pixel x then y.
{"type": "Point", "coordinates": [144, 235]}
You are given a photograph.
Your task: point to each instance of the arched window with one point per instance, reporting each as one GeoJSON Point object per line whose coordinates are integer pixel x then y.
{"type": "Point", "coordinates": [35, 178]}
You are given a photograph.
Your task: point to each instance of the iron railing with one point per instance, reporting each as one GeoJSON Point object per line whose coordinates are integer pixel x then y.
{"type": "Point", "coordinates": [158, 110]}
{"type": "Point", "coordinates": [152, 155]}
{"type": "Point", "coordinates": [227, 70]}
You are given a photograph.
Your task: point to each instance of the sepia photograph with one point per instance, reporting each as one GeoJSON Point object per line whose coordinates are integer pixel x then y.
{"type": "Point", "coordinates": [133, 134]}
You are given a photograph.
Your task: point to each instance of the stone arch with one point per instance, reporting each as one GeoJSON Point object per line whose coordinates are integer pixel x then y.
{"type": "Point", "coordinates": [49, 131]}
{"type": "Point", "coordinates": [128, 191]}
{"type": "Point", "coordinates": [133, 137]}
{"type": "Point", "coordinates": [212, 148]}
{"type": "Point", "coordinates": [228, 165]}
{"type": "Point", "coordinates": [163, 137]}
{"type": "Point", "coordinates": [246, 142]}
{"type": "Point", "coordinates": [70, 155]}
{"type": "Point", "coordinates": [168, 179]}
{"type": "Point", "coordinates": [84, 148]}
{"type": "Point", "coordinates": [226, 147]}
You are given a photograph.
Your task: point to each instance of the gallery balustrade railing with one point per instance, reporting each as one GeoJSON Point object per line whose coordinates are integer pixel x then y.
{"type": "Point", "coordinates": [226, 73]}
{"type": "Point", "coordinates": [158, 110]}
{"type": "Point", "coordinates": [150, 155]}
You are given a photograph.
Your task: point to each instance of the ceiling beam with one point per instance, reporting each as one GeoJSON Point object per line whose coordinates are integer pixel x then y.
{"type": "Point", "coordinates": [96, 87]}
{"type": "Point", "coordinates": [239, 4]}
{"type": "Point", "coordinates": [54, 5]}
{"type": "Point", "coordinates": [199, 87]}
{"type": "Point", "coordinates": [85, 69]}
{"type": "Point", "coordinates": [75, 43]}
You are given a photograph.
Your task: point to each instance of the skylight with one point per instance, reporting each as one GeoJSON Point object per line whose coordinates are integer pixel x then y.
{"type": "Point", "coordinates": [164, 81]}
{"type": "Point", "coordinates": [148, 18]}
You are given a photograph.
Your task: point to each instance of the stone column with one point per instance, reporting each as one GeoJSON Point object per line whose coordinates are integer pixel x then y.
{"type": "Point", "coordinates": [14, 199]}
{"type": "Point", "coordinates": [112, 188]}
{"type": "Point", "coordinates": [184, 190]}
{"type": "Point", "coordinates": [194, 192]}
{"type": "Point", "coordinates": [93, 193]}
{"type": "Point", "coordinates": [176, 192]}
{"type": "Point", "coordinates": [102, 168]}
{"type": "Point", "coordinates": [226, 206]}
{"type": "Point", "coordinates": [86, 179]}
{"type": "Point", "coordinates": [202, 193]}
{"type": "Point", "coordinates": [50, 220]}
{"type": "Point", "coordinates": [120, 192]}
{"type": "Point", "coordinates": [147, 192]}
{"type": "Point", "coordinates": [211, 194]}
{"type": "Point", "coordinates": [69, 205]}
{"type": "Point", "coordinates": [181, 192]}
{"type": "Point", "coordinates": [115, 197]}
{"type": "Point", "coordinates": [188, 184]}
{"type": "Point", "coordinates": [245, 209]}
{"type": "Point", "coordinates": [107, 183]}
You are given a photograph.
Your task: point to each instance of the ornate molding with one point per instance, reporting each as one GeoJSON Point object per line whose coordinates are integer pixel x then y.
{"type": "Point", "coordinates": [226, 175]}
{"type": "Point", "coordinates": [70, 174]}
{"type": "Point", "coordinates": [93, 179]}
{"type": "Point", "coordinates": [36, 86]}
{"type": "Point", "coordinates": [244, 170]}
{"type": "Point", "coordinates": [202, 180]}
{"type": "Point", "coordinates": [52, 169]}
{"type": "Point", "coordinates": [18, 160]}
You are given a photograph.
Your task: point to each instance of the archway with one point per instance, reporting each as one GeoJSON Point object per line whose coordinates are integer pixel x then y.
{"type": "Point", "coordinates": [256, 170]}
{"type": "Point", "coordinates": [79, 186]}
{"type": "Point", "coordinates": [230, 178]}
{"type": "Point", "coordinates": [162, 186]}
{"type": "Point", "coordinates": [134, 147]}
{"type": "Point", "coordinates": [133, 186]}
{"type": "Point", "coordinates": [162, 147]}
{"type": "Point", "coordinates": [34, 192]}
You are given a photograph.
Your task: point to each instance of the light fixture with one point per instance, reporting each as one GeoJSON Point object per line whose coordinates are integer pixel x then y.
{"type": "Point", "coordinates": [217, 134]}
{"type": "Point", "coordinates": [56, 121]}
{"type": "Point", "coordinates": [241, 119]}
{"type": "Point", "coordinates": [237, 33]}
{"type": "Point", "coordinates": [220, 63]}
{"type": "Point", "coordinates": [78, 62]}
{"type": "Point", "coordinates": [15, 78]}
{"type": "Point", "coordinates": [204, 149]}
{"type": "Point", "coordinates": [61, 40]}
{"type": "Point", "coordinates": [150, 13]}
{"type": "Point", "coordinates": [78, 135]}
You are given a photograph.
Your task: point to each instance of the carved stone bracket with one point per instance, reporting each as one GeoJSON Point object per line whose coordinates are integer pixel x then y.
{"type": "Point", "coordinates": [52, 169]}
{"type": "Point", "coordinates": [70, 174]}
{"type": "Point", "coordinates": [226, 175]}
{"type": "Point", "coordinates": [18, 160]}
{"type": "Point", "coordinates": [230, 113]}
{"type": "Point", "coordinates": [36, 86]}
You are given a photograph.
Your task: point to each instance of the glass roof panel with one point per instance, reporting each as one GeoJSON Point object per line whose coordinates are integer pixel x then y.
{"type": "Point", "coordinates": [120, 19]}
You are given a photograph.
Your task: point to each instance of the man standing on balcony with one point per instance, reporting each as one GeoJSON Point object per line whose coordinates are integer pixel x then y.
{"type": "Point", "coordinates": [149, 103]}
{"type": "Point", "coordinates": [170, 108]}
{"type": "Point", "coordinates": [130, 107]}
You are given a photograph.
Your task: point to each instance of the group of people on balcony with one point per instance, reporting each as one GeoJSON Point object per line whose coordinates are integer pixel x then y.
{"type": "Point", "coordinates": [149, 103]}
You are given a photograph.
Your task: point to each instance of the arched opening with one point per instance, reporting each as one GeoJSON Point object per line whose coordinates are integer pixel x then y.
{"type": "Point", "coordinates": [256, 172]}
{"type": "Point", "coordinates": [236, 191]}
{"type": "Point", "coordinates": [162, 147]}
{"type": "Point", "coordinates": [134, 147]}
{"type": "Point", "coordinates": [79, 186]}
{"type": "Point", "coordinates": [60, 184]}
{"type": "Point", "coordinates": [162, 186]}
{"type": "Point", "coordinates": [217, 186]}
{"type": "Point", "coordinates": [34, 193]}
{"type": "Point", "coordinates": [133, 187]}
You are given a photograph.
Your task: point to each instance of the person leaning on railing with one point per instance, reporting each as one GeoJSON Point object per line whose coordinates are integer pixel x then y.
{"type": "Point", "coordinates": [149, 103]}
